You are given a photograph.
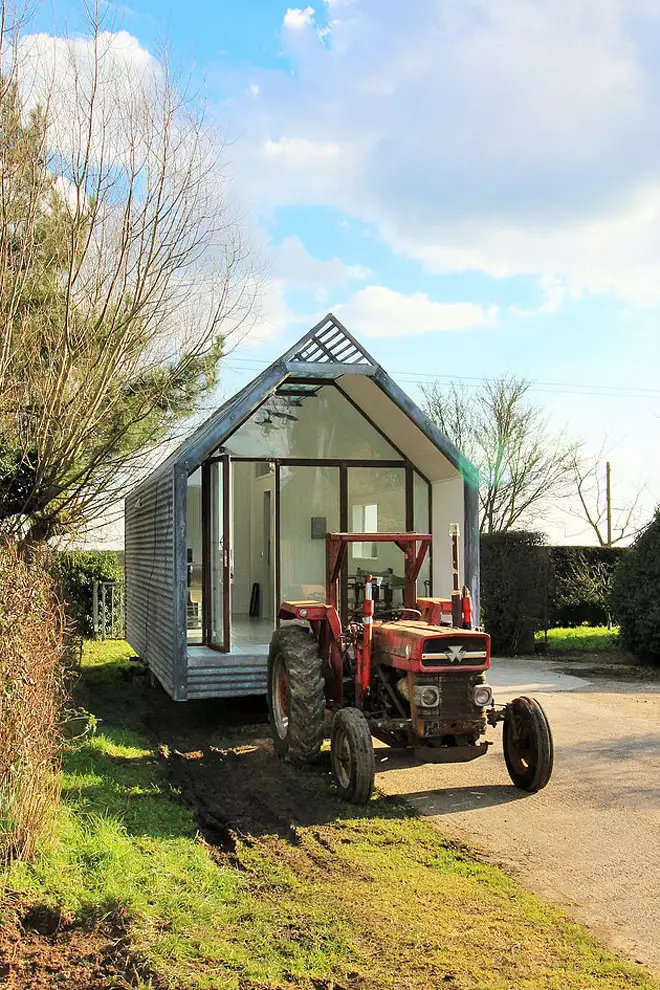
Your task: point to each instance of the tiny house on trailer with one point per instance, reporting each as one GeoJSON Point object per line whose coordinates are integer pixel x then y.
{"type": "Point", "coordinates": [235, 520]}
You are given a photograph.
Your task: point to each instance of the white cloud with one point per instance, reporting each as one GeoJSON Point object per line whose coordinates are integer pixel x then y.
{"type": "Point", "coordinates": [299, 152]}
{"type": "Point", "coordinates": [376, 311]}
{"type": "Point", "coordinates": [114, 74]}
{"type": "Point", "coordinates": [295, 19]}
{"type": "Point", "coordinates": [506, 136]}
{"type": "Point", "coordinates": [291, 262]}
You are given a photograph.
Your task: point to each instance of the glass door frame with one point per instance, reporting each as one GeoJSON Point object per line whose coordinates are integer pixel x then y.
{"type": "Point", "coordinates": [224, 470]}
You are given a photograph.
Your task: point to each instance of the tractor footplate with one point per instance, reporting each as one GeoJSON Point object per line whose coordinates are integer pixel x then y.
{"type": "Point", "coordinates": [450, 754]}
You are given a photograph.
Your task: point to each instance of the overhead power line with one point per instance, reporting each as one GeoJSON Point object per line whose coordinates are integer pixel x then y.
{"type": "Point", "coordinates": [474, 381]}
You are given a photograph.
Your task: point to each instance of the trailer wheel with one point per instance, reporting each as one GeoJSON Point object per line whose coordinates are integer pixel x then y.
{"type": "Point", "coordinates": [352, 753]}
{"type": "Point", "coordinates": [296, 699]}
{"type": "Point", "coordinates": [528, 746]}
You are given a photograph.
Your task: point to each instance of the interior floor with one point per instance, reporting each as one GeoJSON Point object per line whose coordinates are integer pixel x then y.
{"type": "Point", "coordinates": [250, 635]}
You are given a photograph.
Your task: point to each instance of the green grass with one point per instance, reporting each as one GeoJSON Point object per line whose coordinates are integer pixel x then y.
{"type": "Point", "coordinates": [582, 639]}
{"type": "Point", "coordinates": [372, 898]}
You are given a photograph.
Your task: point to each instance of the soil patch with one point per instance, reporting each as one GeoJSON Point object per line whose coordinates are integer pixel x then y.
{"type": "Point", "coordinates": [43, 950]}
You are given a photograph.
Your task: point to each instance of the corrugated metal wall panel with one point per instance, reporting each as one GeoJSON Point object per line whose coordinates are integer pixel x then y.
{"type": "Point", "coordinates": [230, 677]}
{"type": "Point", "coordinates": [150, 579]}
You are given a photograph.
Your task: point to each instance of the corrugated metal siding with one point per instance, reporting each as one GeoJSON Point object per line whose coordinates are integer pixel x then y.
{"type": "Point", "coordinates": [228, 677]}
{"type": "Point", "coordinates": [150, 584]}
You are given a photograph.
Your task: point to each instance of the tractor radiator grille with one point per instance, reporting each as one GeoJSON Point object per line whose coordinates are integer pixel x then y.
{"type": "Point", "coordinates": [455, 651]}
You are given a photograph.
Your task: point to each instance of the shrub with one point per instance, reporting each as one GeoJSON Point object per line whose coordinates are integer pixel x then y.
{"type": "Point", "coordinates": [636, 594]}
{"type": "Point", "coordinates": [32, 633]}
{"type": "Point", "coordinates": [77, 570]}
{"type": "Point", "coordinates": [581, 585]}
{"type": "Point", "coordinates": [514, 587]}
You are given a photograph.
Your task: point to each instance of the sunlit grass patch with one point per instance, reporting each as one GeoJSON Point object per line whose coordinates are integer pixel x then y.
{"type": "Point", "coordinates": [581, 639]}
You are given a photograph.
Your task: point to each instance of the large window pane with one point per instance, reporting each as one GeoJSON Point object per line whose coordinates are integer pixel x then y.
{"type": "Point", "coordinates": [376, 503]}
{"type": "Point", "coordinates": [309, 508]}
{"type": "Point", "coordinates": [321, 424]}
{"type": "Point", "coordinates": [194, 603]}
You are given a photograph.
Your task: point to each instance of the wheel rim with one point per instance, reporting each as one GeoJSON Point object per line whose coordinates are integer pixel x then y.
{"type": "Point", "coordinates": [280, 696]}
{"type": "Point", "coordinates": [521, 747]}
{"type": "Point", "coordinates": [341, 752]}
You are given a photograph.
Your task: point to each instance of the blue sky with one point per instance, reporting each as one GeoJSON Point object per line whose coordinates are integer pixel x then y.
{"type": "Point", "coordinates": [473, 186]}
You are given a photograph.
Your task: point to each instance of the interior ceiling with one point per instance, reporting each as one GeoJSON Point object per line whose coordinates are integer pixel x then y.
{"type": "Point", "coordinates": [397, 426]}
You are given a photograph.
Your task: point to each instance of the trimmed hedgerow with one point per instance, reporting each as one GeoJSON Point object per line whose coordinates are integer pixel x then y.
{"type": "Point", "coordinates": [515, 570]}
{"type": "Point", "coordinates": [636, 594]}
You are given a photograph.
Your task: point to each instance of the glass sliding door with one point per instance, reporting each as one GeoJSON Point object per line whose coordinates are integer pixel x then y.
{"type": "Point", "coordinates": [308, 509]}
{"type": "Point", "coordinates": [376, 504]}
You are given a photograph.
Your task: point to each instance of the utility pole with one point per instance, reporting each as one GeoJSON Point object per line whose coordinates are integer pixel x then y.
{"type": "Point", "coordinates": [608, 502]}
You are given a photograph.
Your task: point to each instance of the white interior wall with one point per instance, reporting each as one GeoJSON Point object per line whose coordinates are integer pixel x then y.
{"type": "Point", "coordinates": [447, 509]}
{"type": "Point", "coordinates": [247, 539]}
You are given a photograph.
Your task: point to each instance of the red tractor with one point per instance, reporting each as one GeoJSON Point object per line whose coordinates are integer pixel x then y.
{"type": "Point", "coordinates": [415, 678]}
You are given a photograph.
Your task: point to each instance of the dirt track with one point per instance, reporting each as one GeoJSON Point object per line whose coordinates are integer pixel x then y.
{"type": "Point", "coordinates": [590, 841]}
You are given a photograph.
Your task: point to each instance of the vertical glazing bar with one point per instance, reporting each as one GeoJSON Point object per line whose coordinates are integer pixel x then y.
{"type": "Point", "coordinates": [278, 561]}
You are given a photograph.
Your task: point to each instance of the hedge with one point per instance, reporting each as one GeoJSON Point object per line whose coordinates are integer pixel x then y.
{"type": "Point", "coordinates": [514, 583]}
{"type": "Point", "coordinates": [527, 585]}
{"type": "Point", "coordinates": [76, 571]}
{"type": "Point", "coordinates": [636, 594]}
{"type": "Point", "coordinates": [34, 640]}
{"type": "Point", "coordinates": [580, 590]}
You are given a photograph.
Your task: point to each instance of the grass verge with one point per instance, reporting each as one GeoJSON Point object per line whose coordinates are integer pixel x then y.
{"type": "Point", "coordinates": [582, 639]}
{"type": "Point", "coordinates": [370, 898]}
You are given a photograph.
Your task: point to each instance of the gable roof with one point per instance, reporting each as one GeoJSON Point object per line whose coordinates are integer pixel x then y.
{"type": "Point", "coordinates": [327, 351]}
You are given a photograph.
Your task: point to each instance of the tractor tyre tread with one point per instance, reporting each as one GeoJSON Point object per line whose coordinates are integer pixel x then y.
{"type": "Point", "coordinates": [306, 728]}
{"type": "Point", "coordinates": [537, 776]}
{"type": "Point", "coordinates": [353, 723]}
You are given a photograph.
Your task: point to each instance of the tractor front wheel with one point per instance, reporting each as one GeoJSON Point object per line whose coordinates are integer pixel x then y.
{"type": "Point", "coordinates": [528, 746]}
{"type": "Point", "coordinates": [296, 698]}
{"type": "Point", "coordinates": [352, 754]}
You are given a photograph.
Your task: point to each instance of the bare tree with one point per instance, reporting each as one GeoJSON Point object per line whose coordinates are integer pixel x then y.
{"type": "Point", "coordinates": [122, 270]}
{"type": "Point", "coordinates": [522, 466]}
{"type": "Point", "coordinates": [610, 524]}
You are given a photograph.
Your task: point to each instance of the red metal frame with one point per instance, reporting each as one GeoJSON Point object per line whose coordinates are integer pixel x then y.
{"type": "Point", "coordinates": [325, 622]}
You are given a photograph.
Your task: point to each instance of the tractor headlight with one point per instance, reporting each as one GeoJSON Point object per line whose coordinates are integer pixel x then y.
{"type": "Point", "coordinates": [483, 695]}
{"type": "Point", "coordinates": [427, 695]}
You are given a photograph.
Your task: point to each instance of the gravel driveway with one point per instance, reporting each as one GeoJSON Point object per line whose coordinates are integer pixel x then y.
{"type": "Point", "coordinates": [590, 841]}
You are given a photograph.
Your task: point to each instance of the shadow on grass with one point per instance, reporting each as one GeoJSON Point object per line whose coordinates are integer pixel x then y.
{"type": "Point", "coordinates": [216, 757]}
{"type": "Point", "coordinates": [213, 756]}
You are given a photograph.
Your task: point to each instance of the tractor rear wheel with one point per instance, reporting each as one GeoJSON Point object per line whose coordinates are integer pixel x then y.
{"type": "Point", "coordinates": [528, 746]}
{"type": "Point", "coordinates": [296, 698]}
{"type": "Point", "coordinates": [352, 753]}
